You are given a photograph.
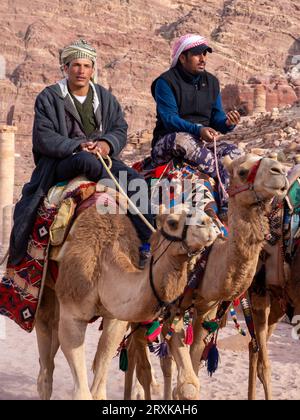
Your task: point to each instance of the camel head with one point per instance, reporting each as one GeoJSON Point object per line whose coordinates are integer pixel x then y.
{"type": "Point", "coordinates": [190, 234]}
{"type": "Point", "coordinates": [256, 180]}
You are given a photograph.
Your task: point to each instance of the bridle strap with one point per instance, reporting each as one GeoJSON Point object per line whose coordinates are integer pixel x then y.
{"type": "Point", "coordinates": [175, 238]}
{"type": "Point", "coordinates": [171, 238]}
{"type": "Point", "coordinates": [232, 191]}
{"type": "Point", "coordinates": [161, 303]}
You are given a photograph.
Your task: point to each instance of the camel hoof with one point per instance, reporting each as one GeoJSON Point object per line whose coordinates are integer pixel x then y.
{"type": "Point", "coordinates": [44, 389]}
{"type": "Point", "coordinates": [188, 392]}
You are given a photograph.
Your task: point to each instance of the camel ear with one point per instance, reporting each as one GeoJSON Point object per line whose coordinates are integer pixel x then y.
{"type": "Point", "coordinates": [227, 162]}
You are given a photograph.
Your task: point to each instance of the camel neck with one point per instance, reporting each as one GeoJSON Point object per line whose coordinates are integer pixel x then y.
{"type": "Point", "coordinates": [247, 229]}
{"type": "Point", "coordinates": [134, 300]}
{"type": "Point", "coordinates": [253, 225]}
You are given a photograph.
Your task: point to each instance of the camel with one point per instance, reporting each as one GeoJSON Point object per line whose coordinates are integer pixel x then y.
{"type": "Point", "coordinates": [267, 310]}
{"type": "Point", "coordinates": [230, 268]}
{"type": "Point", "coordinates": [98, 277]}
{"type": "Point", "coordinates": [248, 227]}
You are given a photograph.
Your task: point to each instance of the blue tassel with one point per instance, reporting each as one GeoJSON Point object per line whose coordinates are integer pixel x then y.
{"type": "Point", "coordinates": [212, 360]}
{"type": "Point", "coordinates": [151, 347]}
{"type": "Point", "coordinates": [162, 350]}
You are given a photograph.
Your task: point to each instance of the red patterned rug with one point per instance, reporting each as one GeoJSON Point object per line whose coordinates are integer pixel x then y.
{"type": "Point", "coordinates": [21, 286]}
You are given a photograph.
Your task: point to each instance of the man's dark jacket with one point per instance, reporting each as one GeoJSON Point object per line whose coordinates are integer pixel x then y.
{"type": "Point", "coordinates": [195, 100]}
{"type": "Point", "coordinates": [57, 133]}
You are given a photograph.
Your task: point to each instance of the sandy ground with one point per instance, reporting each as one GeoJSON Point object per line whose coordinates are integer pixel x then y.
{"type": "Point", "coordinates": [19, 366]}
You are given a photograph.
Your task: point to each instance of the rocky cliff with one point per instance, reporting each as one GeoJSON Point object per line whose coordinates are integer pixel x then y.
{"type": "Point", "coordinates": [255, 42]}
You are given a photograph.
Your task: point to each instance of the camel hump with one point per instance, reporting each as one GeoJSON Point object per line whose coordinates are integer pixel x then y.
{"type": "Point", "coordinates": [72, 199]}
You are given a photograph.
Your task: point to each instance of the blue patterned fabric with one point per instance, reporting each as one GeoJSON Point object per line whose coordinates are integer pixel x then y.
{"type": "Point", "coordinates": [197, 153]}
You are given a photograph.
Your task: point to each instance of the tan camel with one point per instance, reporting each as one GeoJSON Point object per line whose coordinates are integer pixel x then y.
{"type": "Point", "coordinates": [97, 278]}
{"type": "Point", "coordinates": [268, 308]}
{"type": "Point", "coordinates": [231, 265]}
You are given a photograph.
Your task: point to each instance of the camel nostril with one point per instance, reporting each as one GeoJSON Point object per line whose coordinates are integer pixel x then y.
{"type": "Point", "coordinates": [276, 171]}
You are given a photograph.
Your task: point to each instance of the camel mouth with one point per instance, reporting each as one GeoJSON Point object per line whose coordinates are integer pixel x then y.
{"type": "Point", "coordinates": [279, 190]}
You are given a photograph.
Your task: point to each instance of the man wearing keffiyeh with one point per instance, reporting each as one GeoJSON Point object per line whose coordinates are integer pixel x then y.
{"type": "Point", "coordinates": [74, 119]}
{"type": "Point", "coordinates": [190, 112]}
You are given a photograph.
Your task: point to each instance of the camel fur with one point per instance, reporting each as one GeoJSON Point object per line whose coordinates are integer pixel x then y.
{"type": "Point", "coordinates": [98, 277]}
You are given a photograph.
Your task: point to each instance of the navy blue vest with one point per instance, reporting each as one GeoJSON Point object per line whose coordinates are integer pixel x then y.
{"type": "Point", "coordinates": [194, 101]}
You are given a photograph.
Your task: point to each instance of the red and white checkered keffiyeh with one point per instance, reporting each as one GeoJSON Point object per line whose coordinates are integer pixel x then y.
{"type": "Point", "coordinates": [184, 43]}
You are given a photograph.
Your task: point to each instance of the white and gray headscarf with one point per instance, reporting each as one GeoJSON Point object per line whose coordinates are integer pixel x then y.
{"type": "Point", "coordinates": [79, 49]}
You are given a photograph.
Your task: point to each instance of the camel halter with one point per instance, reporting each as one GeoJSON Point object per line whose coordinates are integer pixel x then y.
{"type": "Point", "coordinates": [171, 238]}
{"type": "Point", "coordinates": [232, 191]}
{"type": "Point", "coordinates": [250, 186]}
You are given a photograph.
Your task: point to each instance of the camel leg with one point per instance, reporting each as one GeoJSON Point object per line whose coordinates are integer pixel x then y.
{"type": "Point", "coordinates": [128, 383]}
{"type": "Point", "coordinates": [254, 365]}
{"type": "Point", "coordinates": [143, 365]}
{"type": "Point", "coordinates": [131, 368]}
{"type": "Point", "coordinates": [71, 334]}
{"type": "Point", "coordinates": [47, 338]}
{"type": "Point", "coordinates": [167, 365]}
{"type": "Point", "coordinates": [187, 382]}
{"type": "Point", "coordinates": [260, 313]}
{"type": "Point", "coordinates": [198, 345]}
{"type": "Point", "coordinates": [112, 335]}
{"type": "Point", "coordinates": [138, 357]}
{"type": "Point", "coordinates": [253, 358]}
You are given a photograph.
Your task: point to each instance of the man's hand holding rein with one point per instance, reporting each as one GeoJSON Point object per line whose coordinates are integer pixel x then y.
{"type": "Point", "coordinates": [100, 146]}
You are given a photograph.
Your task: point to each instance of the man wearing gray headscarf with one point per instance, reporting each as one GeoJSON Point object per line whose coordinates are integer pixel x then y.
{"type": "Point", "coordinates": [74, 119]}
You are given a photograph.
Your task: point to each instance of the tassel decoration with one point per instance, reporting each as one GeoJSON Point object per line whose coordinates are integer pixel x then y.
{"type": "Point", "coordinates": [189, 335]}
{"type": "Point", "coordinates": [162, 350]}
{"type": "Point", "coordinates": [249, 321]}
{"type": "Point", "coordinates": [210, 326]}
{"type": "Point", "coordinates": [151, 347]}
{"type": "Point", "coordinates": [123, 360]}
{"type": "Point", "coordinates": [153, 330]}
{"type": "Point", "coordinates": [207, 349]}
{"type": "Point", "coordinates": [212, 359]}
{"type": "Point", "coordinates": [235, 320]}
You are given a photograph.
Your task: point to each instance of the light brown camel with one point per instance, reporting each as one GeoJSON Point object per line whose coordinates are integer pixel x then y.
{"type": "Point", "coordinates": [267, 294]}
{"type": "Point", "coordinates": [230, 267]}
{"type": "Point", "coordinates": [97, 278]}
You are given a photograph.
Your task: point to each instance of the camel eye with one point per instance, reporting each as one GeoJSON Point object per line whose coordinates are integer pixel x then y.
{"type": "Point", "coordinates": [243, 172]}
{"type": "Point", "coordinates": [173, 224]}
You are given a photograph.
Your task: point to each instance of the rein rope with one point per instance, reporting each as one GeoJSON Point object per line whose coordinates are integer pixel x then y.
{"type": "Point", "coordinates": [120, 189]}
{"type": "Point", "coordinates": [217, 170]}
{"type": "Point", "coordinates": [4, 257]}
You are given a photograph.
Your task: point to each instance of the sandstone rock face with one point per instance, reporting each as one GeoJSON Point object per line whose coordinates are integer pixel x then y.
{"type": "Point", "coordinates": [260, 94]}
{"type": "Point", "coordinates": [249, 38]}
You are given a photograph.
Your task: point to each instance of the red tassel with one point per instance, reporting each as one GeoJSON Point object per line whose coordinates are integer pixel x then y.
{"type": "Point", "coordinates": [236, 302]}
{"type": "Point", "coordinates": [189, 335]}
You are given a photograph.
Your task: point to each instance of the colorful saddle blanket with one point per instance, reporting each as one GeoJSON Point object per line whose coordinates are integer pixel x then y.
{"type": "Point", "coordinates": [21, 286]}
{"type": "Point", "coordinates": [173, 186]}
